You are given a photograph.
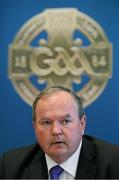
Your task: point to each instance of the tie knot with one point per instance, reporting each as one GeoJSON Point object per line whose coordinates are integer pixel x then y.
{"type": "Point", "coordinates": [55, 172]}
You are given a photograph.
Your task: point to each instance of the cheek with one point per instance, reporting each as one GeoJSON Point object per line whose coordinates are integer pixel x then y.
{"type": "Point", "coordinates": [75, 134]}
{"type": "Point", "coordinates": [42, 137]}
{"type": "Point", "coordinates": [75, 140]}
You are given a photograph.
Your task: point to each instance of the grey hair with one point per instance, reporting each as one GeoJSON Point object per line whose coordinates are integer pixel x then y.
{"type": "Point", "coordinates": [54, 90]}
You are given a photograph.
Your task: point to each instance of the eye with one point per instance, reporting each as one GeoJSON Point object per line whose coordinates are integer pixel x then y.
{"type": "Point", "coordinates": [66, 121]}
{"type": "Point", "coordinates": [46, 122]}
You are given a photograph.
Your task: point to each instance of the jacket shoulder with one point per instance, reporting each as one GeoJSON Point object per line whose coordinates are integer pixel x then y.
{"type": "Point", "coordinates": [12, 161]}
{"type": "Point", "coordinates": [99, 143]}
{"type": "Point", "coordinates": [104, 150]}
{"type": "Point", "coordinates": [20, 153]}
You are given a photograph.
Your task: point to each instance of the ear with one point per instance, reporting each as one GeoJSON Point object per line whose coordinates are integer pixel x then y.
{"type": "Point", "coordinates": [83, 124]}
{"type": "Point", "coordinates": [35, 128]}
{"type": "Point", "coordinates": [34, 124]}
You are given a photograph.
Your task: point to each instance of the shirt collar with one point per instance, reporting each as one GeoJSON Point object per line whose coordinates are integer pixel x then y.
{"type": "Point", "coordinates": [70, 165]}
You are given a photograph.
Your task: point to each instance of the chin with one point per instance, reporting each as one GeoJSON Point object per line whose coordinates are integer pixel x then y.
{"type": "Point", "coordinates": [59, 155]}
{"type": "Point", "coordinates": [58, 151]}
{"type": "Point", "coordinates": [59, 158]}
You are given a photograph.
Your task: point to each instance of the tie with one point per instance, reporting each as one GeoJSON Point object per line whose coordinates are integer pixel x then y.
{"type": "Point", "coordinates": [55, 172]}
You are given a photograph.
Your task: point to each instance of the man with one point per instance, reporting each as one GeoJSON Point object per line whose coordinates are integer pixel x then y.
{"type": "Point", "coordinates": [59, 123]}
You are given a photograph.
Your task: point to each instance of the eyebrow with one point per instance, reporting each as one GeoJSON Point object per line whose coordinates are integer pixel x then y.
{"type": "Point", "coordinates": [43, 118]}
{"type": "Point", "coordinates": [62, 117]}
{"type": "Point", "coordinates": [66, 116]}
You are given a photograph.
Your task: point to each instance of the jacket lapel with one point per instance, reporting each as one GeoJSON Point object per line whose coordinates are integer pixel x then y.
{"type": "Point", "coordinates": [38, 168]}
{"type": "Point", "coordinates": [87, 167]}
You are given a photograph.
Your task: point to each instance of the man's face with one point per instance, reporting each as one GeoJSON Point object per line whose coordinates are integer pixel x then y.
{"type": "Point", "coordinates": [58, 128]}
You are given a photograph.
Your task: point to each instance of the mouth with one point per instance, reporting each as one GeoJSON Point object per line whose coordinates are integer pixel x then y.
{"type": "Point", "coordinates": [57, 143]}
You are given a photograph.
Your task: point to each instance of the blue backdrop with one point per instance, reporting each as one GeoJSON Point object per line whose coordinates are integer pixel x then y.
{"type": "Point", "coordinates": [16, 115]}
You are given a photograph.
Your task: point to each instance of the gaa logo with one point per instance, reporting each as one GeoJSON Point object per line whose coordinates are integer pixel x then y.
{"type": "Point", "coordinates": [60, 47]}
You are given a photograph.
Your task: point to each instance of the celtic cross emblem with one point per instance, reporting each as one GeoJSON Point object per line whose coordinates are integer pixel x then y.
{"type": "Point", "coordinates": [60, 58]}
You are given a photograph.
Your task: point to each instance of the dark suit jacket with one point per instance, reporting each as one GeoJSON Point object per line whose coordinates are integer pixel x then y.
{"type": "Point", "coordinates": [98, 160]}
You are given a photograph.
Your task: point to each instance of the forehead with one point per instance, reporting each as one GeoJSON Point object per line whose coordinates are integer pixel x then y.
{"type": "Point", "coordinates": [57, 105]}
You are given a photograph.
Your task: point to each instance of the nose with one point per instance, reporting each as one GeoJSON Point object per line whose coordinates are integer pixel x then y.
{"type": "Point", "coordinates": [56, 129]}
